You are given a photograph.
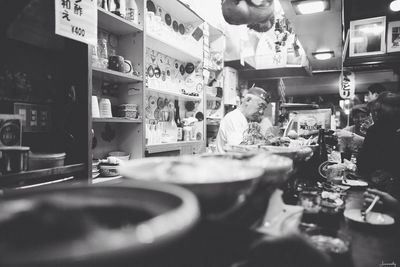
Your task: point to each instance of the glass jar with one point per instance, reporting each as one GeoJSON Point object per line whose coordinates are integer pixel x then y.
{"type": "Point", "coordinates": [103, 53]}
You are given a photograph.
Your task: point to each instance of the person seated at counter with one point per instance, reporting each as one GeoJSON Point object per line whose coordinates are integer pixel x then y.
{"type": "Point", "coordinates": [352, 137]}
{"type": "Point", "coordinates": [374, 90]}
{"type": "Point", "coordinates": [379, 156]}
{"type": "Point", "coordinates": [234, 125]}
{"type": "Point", "coordinates": [386, 200]}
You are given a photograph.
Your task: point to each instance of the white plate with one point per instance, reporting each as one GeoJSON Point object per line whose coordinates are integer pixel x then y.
{"type": "Point", "coordinates": [349, 182]}
{"type": "Point", "coordinates": [374, 218]}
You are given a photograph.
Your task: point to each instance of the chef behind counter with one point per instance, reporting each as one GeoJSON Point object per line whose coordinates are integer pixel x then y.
{"type": "Point", "coordinates": [235, 124]}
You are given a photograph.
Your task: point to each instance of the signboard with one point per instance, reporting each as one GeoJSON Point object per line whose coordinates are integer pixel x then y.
{"type": "Point", "coordinates": [309, 122]}
{"type": "Point", "coordinates": [77, 20]}
{"type": "Point", "coordinates": [347, 85]}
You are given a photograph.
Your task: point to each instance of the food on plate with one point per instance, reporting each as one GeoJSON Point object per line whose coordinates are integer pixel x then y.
{"type": "Point", "coordinates": [374, 218]}
{"type": "Point", "coordinates": [293, 134]}
{"type": "Point", "coordinates": [331, 198]}
{"type": "Point", "coordinates": [329, 244]}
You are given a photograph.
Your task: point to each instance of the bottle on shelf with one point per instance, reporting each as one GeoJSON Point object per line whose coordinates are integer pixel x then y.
{"type": "Point", "coordinates": [178, 122]}
{"type": "Point", "coordinates": [132, 12]}
{"type": "Point", "coordinates": [172, 128]}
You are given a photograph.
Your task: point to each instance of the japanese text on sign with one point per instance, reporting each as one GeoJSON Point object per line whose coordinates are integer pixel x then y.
{"type": "Point", "coordinates": [347, 85]}
{"type": "Point", "coordinates": [77, 19]}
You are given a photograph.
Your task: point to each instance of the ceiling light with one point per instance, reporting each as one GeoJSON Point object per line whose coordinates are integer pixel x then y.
{"type": "Point", "coordinates": [323, 55]}
{"type": "Point", "coordinates": [304, 7]}
{"type": "Point", "coordinates": [395, 5]}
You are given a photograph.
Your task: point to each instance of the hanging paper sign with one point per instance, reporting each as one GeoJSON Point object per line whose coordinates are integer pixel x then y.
{"type": "Point", "coordinates": [347, 85]}
{"type": "Point", "coordinates": [77, 20]}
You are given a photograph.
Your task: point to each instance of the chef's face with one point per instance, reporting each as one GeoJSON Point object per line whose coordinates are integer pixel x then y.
{"type": "Point", "coordinates": [255, 107]}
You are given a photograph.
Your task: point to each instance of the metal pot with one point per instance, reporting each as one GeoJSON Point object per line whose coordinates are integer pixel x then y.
{"type": "Point", "coordinates": [13, 159]}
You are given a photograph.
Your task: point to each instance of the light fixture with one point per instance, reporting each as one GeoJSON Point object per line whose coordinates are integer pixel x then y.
{"type": "Point", "coordinates": [395, 5]}
{"type": "Point", "coordinates": [323, 55]}
{"type": "Point", "coordinates": [304, 7]}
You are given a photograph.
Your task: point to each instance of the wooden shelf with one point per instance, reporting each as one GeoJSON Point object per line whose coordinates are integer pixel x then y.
{"type": "Point", "coordinates": [276, 73]}
{"type": "Point", "coordinates": [214, 98]}
{"type": "Point", "coordinates": [176, 95]}
{"type": "Point", "coordinates": [172, 49]}
{"type": "Point", "coordinates": [117, 120]}
{"type": "Point", "coordinates": [183, 12]}
{"type": "Point", "coordinates": [115, 76]}
{"type": "Point", "coordinates": [53, 173]}
{"type": "Point", "coordinates": [170, 146]}
{"type": "Point", "coordinates": [385, 61]}
{"type": "Point", "coordinates": [115, 24]}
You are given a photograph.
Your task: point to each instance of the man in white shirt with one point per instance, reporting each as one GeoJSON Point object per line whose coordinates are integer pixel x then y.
{"type": "Point", "coordinates": [234, 125]}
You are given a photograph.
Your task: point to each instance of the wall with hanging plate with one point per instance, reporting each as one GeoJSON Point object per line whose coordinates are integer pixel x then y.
{"type": "Point", "coordinates": [173, 105]}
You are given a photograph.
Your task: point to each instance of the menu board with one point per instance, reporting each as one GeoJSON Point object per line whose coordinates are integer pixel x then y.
{"type": "Point", "coordinates": [308, 122]}
{"type": "Point", "coordinates": [77, 20]}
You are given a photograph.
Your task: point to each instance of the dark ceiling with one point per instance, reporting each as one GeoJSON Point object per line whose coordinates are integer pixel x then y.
{"type": "Point", "coordinates": [362, 9]}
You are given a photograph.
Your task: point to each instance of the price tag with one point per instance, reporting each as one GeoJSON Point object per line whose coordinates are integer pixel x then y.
{"type": "Point", "coordinates": [77, 20]}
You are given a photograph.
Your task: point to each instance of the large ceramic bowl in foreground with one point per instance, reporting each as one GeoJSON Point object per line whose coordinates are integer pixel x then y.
{"type": "Point", "coordinates": [219, 183]}
{"type": "Point", "coordinates": [93, 225]}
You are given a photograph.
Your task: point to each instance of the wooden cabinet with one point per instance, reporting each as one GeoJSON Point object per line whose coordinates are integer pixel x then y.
{"type": "Point", "coordinates": [174, 74]}
{"type": "Point", "coordinates": [126, 39]}
{"type": "Point", "coordinates": [47, 69]}
{"type": "Point", "coordinates": [231, 83]}
{"type": "Point", "coordinates": [47, 77]}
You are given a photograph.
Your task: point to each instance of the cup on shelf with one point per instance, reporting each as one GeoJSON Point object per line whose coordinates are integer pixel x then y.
{"type": "Point", "coordinates": [116, 63]}
{"type": "Point", "coordinates": [150, 20]}
{"type": "Point", "coordinates": [105, 108]}
{"type": "Point", "coordinates": [95, 107]}
{"type": "Point", "coordinates": [128, 68]}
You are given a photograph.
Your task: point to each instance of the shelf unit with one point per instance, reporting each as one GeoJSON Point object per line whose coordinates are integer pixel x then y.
{"type": "Point", "coordinates": [115, 24]}
{"type": "Point", "coordinates": [164, 43]}
{"type": "Point", "coordinates": [116, 120]}
{"type": "Point", "coordinates": [172, 48]}
{"type": "Point", "coordinates": [110, 133]}
{"type": "Point", "coordinates": [175, 95]}
{"type": "Point", "coordinates": [56, 75]}
{"type": "Point", "coordinates": [214, 98]}
{"type": "Point", "coordinates": [28, 177]}
{"type": "Point", "coordinates": [157, 148]}
{"type": "Point", "coordinates": [115, 76]}
{"type": "Point", "coordinates": [116, 133]}
{"type": "Point", "coordinates": [216, 43]}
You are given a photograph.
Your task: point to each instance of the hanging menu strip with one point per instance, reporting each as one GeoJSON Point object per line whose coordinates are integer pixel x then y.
{"type": "Point", "coordinates": [77, 20]}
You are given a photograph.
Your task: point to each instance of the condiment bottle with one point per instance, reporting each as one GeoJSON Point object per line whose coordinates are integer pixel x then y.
{"type": "Point", "coordinates": [132, 12]}
{"type": "Point", "coordinates": [322, 151]}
